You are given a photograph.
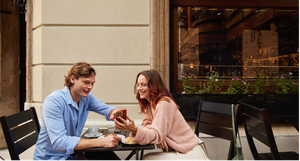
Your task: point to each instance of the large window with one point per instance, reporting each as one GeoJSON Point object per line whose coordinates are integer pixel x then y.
{"type": "Point", "coordinates": [235, 42]}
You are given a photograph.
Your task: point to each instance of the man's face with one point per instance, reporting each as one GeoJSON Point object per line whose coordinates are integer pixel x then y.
{"type": "Point", "coordinates": [82, 86]}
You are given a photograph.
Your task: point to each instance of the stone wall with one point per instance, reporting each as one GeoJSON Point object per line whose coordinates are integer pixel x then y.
{"type": "Point", "coordinates": [111, 35]}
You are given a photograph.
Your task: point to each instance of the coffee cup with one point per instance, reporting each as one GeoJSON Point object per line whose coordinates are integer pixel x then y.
{"type": "Point", "coordinates": [93, 130]}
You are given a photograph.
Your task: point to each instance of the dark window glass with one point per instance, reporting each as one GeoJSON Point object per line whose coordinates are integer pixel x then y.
{"type": "Point", "coordinates": [237, 42]}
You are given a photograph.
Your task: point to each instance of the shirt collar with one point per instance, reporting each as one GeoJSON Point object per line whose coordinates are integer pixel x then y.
{"type": "Point", "coordinates": [70, 100]}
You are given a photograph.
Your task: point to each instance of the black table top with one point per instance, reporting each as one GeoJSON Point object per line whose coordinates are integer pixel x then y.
{"type": "Point", "coordinates": [121, 146]}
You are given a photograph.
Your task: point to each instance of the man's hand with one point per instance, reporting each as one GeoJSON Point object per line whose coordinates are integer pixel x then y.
{"type": "Point", "coordinates": [110, 141]}
{"type": "Point", "coordinates": [113, 114]}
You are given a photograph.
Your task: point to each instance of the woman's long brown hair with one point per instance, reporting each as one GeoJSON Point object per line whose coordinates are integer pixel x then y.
{"type": "Point", "coordinates": [158, 90]}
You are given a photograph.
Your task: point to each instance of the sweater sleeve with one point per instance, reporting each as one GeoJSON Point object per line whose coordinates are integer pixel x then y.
{"type": "Point", "coordinates": [160, 127]}
{"type": "Point", "coordinates": [168, 124]}
{"type": "Point", "coordinates": [147, 121]}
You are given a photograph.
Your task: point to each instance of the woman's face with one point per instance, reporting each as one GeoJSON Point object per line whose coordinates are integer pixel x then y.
{"type": "Point", "coordinates": [142, 88]}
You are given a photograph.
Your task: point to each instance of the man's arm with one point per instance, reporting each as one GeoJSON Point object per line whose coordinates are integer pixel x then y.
{"type": "Point", "coordinates": [107, 142]}
{"type": "Point", "coordinates": [101, 108]}
{"type": "Point", "coordinates": [87, 143]}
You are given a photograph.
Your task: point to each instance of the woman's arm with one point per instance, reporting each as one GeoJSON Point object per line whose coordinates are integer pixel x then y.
{"type": "Point", "coordinates": [159, 128]}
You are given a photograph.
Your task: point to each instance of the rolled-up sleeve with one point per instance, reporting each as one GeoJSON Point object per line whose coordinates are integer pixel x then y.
{"type": "Point", "coordinates": [55, 123]}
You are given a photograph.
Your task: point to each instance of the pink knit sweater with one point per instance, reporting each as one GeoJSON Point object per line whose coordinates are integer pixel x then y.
{"type": "Point", "coordinates": [166, 123]}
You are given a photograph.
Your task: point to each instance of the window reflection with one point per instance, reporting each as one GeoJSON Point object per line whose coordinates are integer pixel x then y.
{"type": "Point", "coordinates": [237, 42]}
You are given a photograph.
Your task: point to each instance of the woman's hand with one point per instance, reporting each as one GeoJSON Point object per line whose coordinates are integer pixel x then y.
{"type": "Point", "coordinates": [164, 146]}
{"type": "Point", "coordinates": [121, 124]}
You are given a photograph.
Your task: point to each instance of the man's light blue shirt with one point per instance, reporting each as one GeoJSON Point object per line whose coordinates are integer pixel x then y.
{"type": "Point", "coordinates": [63, 122]}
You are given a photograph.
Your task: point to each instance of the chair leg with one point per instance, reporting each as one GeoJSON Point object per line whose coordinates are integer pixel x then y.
{"type": "Point", "coordinates": [204, 149]}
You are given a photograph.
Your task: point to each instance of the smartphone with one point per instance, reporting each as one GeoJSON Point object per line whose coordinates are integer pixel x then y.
{"type": "Point", "coordinates": [122, 113]}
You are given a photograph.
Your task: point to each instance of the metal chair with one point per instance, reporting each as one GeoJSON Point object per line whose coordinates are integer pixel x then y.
{"type": "Point", "coordinates": [20, 131]}
{"type": "Point", "coordinates": [216, 119]}
{"type": "Point", "coordinates": [257, 125]}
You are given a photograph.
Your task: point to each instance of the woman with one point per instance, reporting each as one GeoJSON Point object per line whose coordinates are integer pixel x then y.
{"type": "Point", "coordinates": [163, 123]}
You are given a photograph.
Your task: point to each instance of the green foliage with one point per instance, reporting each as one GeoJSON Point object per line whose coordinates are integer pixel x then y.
{"type": "Point", "coordinates": [187, 88]}
{"type": "Point", "coordinates": [238, 86]}
{"type": "Point", "coordinates": [285, 84]}
{"type": "Point", "coordinates": [261, 85]}
{"type": "Point", "coordinates": [202, 88]}
{"type": "Point", "coordinates": [214, 84]}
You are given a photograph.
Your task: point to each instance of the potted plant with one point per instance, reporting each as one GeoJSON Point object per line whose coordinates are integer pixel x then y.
{"type": "Point", "coordinates": [281, 102]}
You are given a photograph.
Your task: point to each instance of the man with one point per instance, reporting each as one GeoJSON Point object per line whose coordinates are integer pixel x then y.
{"type": "Point", "coordinates": [64, 113]}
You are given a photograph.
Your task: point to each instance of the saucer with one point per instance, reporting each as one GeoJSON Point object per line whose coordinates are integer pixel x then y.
{"type": "Point", "coordinates": [129, 143]}
{"type": "Point", "coordinates": [89, 136]}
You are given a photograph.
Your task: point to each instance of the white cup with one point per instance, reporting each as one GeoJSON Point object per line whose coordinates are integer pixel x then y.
{"type": "Point", "coordinates": [93, 130]}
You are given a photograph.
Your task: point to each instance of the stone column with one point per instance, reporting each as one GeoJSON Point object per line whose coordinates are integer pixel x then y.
{"type": "Point", "coordinates": [29, 6]}
{"type": "Point", "coordinates": [159, 39]}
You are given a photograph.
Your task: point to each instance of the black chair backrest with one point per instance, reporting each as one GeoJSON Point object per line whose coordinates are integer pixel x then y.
{"type": "Point", "coordinates": [257, 125]}
{"type": "Point", "coordinates": [216, 119]}
{"type": "Point", "coordinates": [21, 131]}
